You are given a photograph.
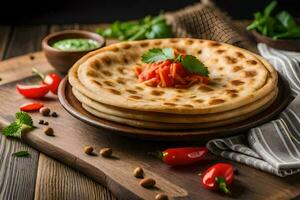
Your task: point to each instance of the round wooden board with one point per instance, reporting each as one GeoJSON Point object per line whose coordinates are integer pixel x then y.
{"type": "Point", "coordinates": [73, 106]}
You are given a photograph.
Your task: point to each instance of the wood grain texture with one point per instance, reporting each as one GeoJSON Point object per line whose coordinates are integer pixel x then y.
{"type": "Point", "coordinates": [12, 69]}
{"type": "Point", "coordinates": [18, 174]}
{"type": "Point", "coordinates": [4, 35]}
{"type": "Point", "coordinates": [58, 181]}
{"type": "Point", "coordinates": [25, 39]}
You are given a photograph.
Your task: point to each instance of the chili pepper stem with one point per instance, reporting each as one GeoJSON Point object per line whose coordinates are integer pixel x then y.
{"type": "Point", "coordinates": [157, 154]}
{"type": "Point", "coordinates": [35, 71]}
{"type": "Point", "coordinates": [222, 185]}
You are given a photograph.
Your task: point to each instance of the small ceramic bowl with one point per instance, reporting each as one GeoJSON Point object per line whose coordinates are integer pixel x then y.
{"type": "Point", "coordinates": [62, 61]}
{"type": "Point", "coordinates": [289, 45]}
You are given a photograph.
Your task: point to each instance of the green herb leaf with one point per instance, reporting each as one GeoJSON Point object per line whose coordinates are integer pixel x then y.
{"type": "Point", "coordinates": [13, 130]}
{"type": "Point", "coordinates": [291, 34]}
{"type": "Point", "coordinates": [192, 64]}
{"type": "Point", "coordinates": [24, 118]}
{"type": "Point", "coordinates": [169, 53]}
{"type": "Point", "coordinates": [22, 123]}
{"type": "Point", "coordinates": [270, 7]}
{"type": "Point", "coordinates": [154, 55]}
{"type": "Point", "coordinates": [286, 20]}
{"type": "Point", "coordinates": [146, 28]}
{"type": "Point", "coordinates": [21, 154]}
{"type": "Point", "coordinates": [281, 25]}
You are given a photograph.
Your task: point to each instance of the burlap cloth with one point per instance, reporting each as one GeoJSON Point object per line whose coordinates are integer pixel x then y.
{"type": "Point", "coordinates": [203, 21]}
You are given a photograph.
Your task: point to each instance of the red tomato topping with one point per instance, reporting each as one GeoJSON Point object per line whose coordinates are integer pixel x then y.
{"type": "Point", "coordinates": [33, 106]}
{"type": "Point", "coordinates": [168, 74]}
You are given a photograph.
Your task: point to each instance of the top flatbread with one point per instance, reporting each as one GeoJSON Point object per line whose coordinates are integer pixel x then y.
{"type": "Point", "coordinates": [238, 77]}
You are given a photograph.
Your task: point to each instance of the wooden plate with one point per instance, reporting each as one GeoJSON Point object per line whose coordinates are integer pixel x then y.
{"type": "Point", "coordinates": [73, 106]}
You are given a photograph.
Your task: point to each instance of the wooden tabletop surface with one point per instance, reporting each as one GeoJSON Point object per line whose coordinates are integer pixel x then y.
{"type": "Point", "coordinates": [39, 176]}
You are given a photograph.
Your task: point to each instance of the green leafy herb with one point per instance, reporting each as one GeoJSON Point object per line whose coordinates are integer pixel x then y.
{"type": "Point", "coordinates": [21, 154]}
{"type": "Point", "coordinates": [146, 28]}
{"type": "Point", "coordinates": [22, 123]}
{"type": "Point", "coordinates": [154, 55]}
{"type": "Point", "coordinates": [191, 63]}
{"type": "Point", "coordinates": [279, 26]}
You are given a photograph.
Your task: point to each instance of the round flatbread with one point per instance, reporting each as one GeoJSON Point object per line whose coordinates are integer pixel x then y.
{"type": "Point", "coordinates": [168, 126]}
{"type": "Point", "coordinates": [238, 78]}
{"type": "Point", "coordinates": [172, 118]}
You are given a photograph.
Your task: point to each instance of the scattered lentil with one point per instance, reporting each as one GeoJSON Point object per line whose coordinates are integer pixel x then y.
{"type": "Point", "coordinates": [88, 150]}
{"type": "Point", "coordinates": [147, 183]}
{"type": "Point", "coordinates": [46, 123]}
{"type": "Point", "coordinates": [41, 121]}
{"type": "Point", "coordinates": [45, 111]}
{"type": "Point", "coordinates": [106, 152]}
{"type": "Point", "coordinates": [138, 172]}
{"type": "Point", "coordinates": [161, 197]}
{"type": "Point", "coordinates": [49, 131]}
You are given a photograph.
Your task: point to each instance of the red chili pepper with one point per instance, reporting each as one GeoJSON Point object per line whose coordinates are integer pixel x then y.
{"type": "Point", "coordinates": [182, 156]}
{"type": "Point", "coordinates": [33, 91]}
{"type": "Point", "coordinates": [218, 176]}
{"type": "Point", "coordinates": [33, 106]}
{"type": "Point", "coordinates": [52, 80]}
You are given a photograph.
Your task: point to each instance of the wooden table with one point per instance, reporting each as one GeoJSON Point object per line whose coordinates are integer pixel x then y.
{"type": "Point", "coordinates": [39, 176]}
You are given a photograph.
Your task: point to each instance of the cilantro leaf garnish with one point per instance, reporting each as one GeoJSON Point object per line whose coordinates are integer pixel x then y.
{"type": "Point", "coordinates": [21, 154]}
{"type": "Point", "coordinates": [24, 118]}
{"type": "Point", "coordinates": [22, 123]}
{"type": "Point", "coordinates": [154, 55]}
{"type": "Point", "coordinates": [190, 63]}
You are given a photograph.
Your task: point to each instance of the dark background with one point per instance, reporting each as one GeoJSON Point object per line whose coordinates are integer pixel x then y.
{"type": "Point", "coordinates": [96, 11]}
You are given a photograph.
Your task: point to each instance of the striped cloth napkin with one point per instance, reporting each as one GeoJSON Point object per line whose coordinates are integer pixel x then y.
{"type": "Point", "coordinates": [273, 147]}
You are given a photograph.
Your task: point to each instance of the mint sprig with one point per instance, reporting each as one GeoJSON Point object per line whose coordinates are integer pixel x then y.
{"type": "Point", "coordinates": [154, 55]}
{"type": "Point", "coordinates": [190, 63]}
{"type": "Point", "coordinates": [22, 123]}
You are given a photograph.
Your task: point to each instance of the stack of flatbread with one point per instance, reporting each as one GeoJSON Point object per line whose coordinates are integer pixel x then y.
{"type": "Point", "coordinates": [242, 85]}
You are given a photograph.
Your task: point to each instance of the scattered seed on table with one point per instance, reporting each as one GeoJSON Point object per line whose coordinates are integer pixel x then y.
{"type": "Point", "coordinates": [45, 111]}
{"type": "Point", "coordinates": [54, 114]}
{"type": "Point", "coordinates": [161, 197]}
{"type": "Point", "coordinates": [41, 121]}
{"type": "Point", "coordinates": [46, 123]}
{"type": "Point", "coordinates": [138, 172]}
{"type": "Point", "coordinates": [147, 183]}
{"type": "Point", "coordinates": [49, 131]}
{"type": "Point", "coordinates": [106, 152]}
{"type": "Point", "coordinates": [88, 150]}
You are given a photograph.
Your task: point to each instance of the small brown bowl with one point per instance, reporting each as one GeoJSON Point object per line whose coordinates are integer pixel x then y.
{"type": "Point", "coordinates": [63, 60]}
{"type": "Point", "coordinates": [289, 45]}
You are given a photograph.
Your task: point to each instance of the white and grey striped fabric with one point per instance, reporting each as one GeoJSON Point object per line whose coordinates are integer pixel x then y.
{"type": "Point", "coordinates": [273, 147]}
